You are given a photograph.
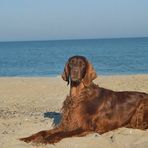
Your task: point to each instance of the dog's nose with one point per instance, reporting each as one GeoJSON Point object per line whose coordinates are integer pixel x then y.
{"type": "Point", "coordinates": [75, 73]}
{"type": "Point", "coordinates": [75, 70]}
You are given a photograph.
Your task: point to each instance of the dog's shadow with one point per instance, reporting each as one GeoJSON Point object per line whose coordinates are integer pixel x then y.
{"type": "Point", "coordinates": [55, 116]}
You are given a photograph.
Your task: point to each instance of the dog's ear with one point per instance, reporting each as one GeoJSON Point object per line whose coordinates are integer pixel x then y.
{"type": "Point", "coordinates": [65, 74]}
{"type": "Point", "coordinates": [90, 74]}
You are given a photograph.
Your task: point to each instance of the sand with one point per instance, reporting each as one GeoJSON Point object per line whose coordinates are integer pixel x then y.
{"type": "Point", "coordinates": [28, 105]}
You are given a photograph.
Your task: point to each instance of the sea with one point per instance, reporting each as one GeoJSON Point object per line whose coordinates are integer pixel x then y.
{"type": "Point", "coordinates": [122, 56]}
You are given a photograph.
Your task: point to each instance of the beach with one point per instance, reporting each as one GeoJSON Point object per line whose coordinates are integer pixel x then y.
{"type": "Point", "coordinates": [31, 104]}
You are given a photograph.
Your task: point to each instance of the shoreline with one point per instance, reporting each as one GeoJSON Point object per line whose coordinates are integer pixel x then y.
{"type": "Point", "coordinates": [25, 102]}
{"type": "Point", "coordinates": [57, 76]}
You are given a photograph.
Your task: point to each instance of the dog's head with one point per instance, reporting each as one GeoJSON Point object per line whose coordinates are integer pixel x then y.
{"type": "Point", "coordinates": [77, 70]}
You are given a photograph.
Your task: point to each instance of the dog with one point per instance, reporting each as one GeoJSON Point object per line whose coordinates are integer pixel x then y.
{"type": "Point", "coordinates": [90, 108]}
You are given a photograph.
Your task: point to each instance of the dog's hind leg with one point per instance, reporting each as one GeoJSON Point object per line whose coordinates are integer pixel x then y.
{"type": "Point", "coordinates": [140, 118]}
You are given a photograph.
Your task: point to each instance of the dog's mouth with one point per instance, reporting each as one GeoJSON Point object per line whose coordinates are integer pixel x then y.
{"type": "Point", "coordinates": [75, 80]}
{"type": "Point", "coordinates": [76, 83]}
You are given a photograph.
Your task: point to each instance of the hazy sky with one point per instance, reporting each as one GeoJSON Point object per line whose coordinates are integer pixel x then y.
{"type": "Point", "coordinates": [72, 19]}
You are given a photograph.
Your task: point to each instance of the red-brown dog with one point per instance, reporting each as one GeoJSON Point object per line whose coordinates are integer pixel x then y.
{"type": "Point", "coordinates": [90, 108]}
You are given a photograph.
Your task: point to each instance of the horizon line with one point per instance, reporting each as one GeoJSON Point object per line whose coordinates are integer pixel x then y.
{"type": "Point", "coordinates": [72, 39]}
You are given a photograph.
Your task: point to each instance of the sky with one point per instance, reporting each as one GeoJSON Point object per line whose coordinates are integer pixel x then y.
{"type": "Point", "coordinates": [22, 20]}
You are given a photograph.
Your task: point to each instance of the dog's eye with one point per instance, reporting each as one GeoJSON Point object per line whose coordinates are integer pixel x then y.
{"type": "Point", "coordinates": [71, 64]}
{"type": "Point", "coordinates": [82, 64]}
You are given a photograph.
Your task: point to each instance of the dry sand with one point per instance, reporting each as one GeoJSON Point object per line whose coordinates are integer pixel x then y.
{"type": "Point", "coordinates": [28, 105]}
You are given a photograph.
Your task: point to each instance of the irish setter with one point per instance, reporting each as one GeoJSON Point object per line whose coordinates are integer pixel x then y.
{"type": "Point", "coordinates": [90, 108]}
